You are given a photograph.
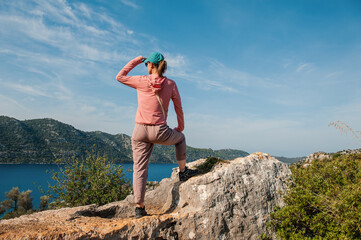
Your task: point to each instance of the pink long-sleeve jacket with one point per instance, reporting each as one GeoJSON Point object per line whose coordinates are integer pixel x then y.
{"type": "Point", "coordinates": [149, 110]}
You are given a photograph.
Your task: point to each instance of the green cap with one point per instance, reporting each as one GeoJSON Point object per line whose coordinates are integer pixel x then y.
{"type": "Point", "coordinates": [155, 57]}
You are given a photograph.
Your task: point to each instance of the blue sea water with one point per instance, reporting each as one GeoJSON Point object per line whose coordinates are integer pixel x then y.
{"type": "Point", "coordinates": [31, 176]}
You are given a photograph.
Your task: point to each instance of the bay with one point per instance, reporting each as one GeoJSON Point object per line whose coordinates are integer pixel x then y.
{"type": "Point", "coordinates": [31, 176]}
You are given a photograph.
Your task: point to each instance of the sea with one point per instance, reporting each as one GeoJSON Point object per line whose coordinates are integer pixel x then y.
{"type": "Point", "coordinates": [33, 176]}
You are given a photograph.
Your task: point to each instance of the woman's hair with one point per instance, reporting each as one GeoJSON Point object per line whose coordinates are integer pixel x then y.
{"type": "Point", "coordinates": [161, 67]}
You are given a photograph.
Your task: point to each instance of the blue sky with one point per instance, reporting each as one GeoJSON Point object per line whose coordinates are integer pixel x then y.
{"type": "Point", "coordinates": [263, 76]}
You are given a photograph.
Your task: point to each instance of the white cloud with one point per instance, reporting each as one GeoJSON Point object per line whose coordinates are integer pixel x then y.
{"type": "Point", "coordinates": [56, 24]}
{"type": "Point", "coordinates": [59, 10]}
{"type": "Point", "coordinates": [216, 75]}
{"type": "Point", "coordinates": [333, 75]}
{"type": "Point", "coordinates": [91, 53]}
{"type": "Point", "coordinates": [6, 101]}
{"type": "Point", "coordinates": [84, 10]}
{"type": "Point", "coordinates": [304, 67]}
{"type": "Point", "coordinates": [177, 61]}
{"type": "Point", "coordinates": [88, 109]}
{"type": "Point", "coordinates": [209, 84]}
{"type": "Point", "coordinates": [30, 90]}
{"type": "Point", "coordinates": [129, 3]}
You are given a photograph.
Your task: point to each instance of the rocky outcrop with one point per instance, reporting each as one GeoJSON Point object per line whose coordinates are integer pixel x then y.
{"type": "Point", "coordinates": [317, 155]}
{"type": "Point", "coordinates": [323, 155]}
{"type": "Point", "coordinates": [233, 201]}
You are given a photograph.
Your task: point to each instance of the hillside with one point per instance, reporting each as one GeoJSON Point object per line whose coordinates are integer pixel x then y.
{"type": "Point", "coordinates": [46, 140]}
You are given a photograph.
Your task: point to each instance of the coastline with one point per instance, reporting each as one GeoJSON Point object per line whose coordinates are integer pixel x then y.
{"type": "Point", "coordinates": [65, 163]}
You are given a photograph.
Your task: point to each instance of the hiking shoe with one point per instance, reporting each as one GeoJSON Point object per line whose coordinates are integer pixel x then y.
{"type": "Point", "coordinates": [140, 212]}
{"type": "Point", "coordinates": [187, 174]}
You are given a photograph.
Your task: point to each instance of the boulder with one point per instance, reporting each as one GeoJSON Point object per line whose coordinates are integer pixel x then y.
{"type": "Point", "coordinates": [232, 201]}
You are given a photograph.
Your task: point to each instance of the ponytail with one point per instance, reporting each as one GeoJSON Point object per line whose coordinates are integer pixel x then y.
{"type": "Point", "coordinates": [161, 67]}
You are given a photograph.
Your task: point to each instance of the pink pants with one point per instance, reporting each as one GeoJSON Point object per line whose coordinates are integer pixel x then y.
{"type": "Point", "coordinates": [143, 139]}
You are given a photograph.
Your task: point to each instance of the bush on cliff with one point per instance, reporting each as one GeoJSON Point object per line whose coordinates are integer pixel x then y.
{"type": "Point", "coordinates": [209, 163]}
{"type": "Point", "coordinates": [95, 180]}
{"type": "Point", "coordinates": [323, 201]}
{"type": "Point", "coordinates": [17, 203]}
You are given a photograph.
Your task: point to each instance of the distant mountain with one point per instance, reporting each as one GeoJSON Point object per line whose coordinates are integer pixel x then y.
{"type": "Point", "coordinates": [290, 160]}
{"type": "Point", "coordinates": [46, 140]}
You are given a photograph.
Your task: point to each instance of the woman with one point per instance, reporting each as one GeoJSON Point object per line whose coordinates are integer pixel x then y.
{"type": "Point", "coordinates": [154, 94]}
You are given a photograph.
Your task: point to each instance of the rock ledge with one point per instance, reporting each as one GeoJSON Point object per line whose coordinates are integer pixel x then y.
{"type": "Point", "coordinates": [233, 201]}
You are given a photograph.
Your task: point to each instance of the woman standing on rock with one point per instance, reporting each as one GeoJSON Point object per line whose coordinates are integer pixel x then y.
{"type": "Point", "coordinates": [154, 94]}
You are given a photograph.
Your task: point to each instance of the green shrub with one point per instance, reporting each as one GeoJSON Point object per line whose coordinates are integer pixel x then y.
{"type": "Point", "coordinates": [208, 164]}
{"type": "Point", "coordinates": [16, 203]}
{"type": "Point", "coordinates": [95, 180]}
{"type": "Point", "coordinates": [323, 201]}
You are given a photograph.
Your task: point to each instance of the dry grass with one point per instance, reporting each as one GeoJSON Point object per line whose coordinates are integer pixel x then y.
{"type": "Point", "coordinates": [344, 128]}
